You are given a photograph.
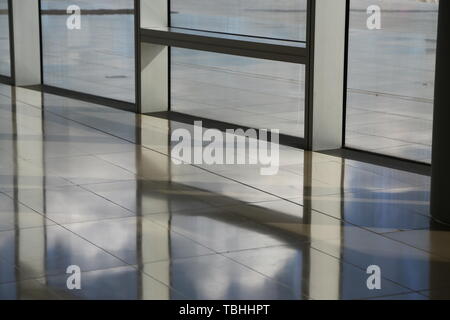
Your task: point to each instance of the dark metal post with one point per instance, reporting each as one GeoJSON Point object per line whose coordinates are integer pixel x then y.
{"type": "Point", "coordinates": [440, 180]}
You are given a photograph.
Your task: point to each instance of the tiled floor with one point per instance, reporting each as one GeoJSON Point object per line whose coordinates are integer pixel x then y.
{"type": "Point", "coordinates": [86, 185]}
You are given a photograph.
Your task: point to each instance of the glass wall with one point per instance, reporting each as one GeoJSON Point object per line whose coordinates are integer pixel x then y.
{"type": "Point", "coordinates": [391, 77]}
{"type": "Point", "coordinates": [281, 19]}
{"type": "Point", "coordinates": [5, 55]}
{"type": "Point", "coordinates": [245, 91]}
{"type": "Point", "coordinates": [250, 92]}
{"type": "Point", "coordinates": [94, 54]}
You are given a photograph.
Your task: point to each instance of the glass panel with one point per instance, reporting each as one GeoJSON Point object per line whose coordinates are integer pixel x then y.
{"type": "Point", "coordinates": [264, 18]}
{"type": "Point", "coordinates": [245, 91]}
{"type": "Point", "coordinates": [391, 78]}
{"type": "Point", "coordinates": [98, 58]}
{"type": "Point", "coordinates": [5, 56]}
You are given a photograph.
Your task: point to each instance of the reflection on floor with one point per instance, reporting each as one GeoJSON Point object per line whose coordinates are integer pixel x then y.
{"type": "Point", "coordinates": [86, 185]}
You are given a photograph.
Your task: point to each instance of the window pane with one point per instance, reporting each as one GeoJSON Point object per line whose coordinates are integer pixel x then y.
{"type": "Point", "coordinates": [98, 58]}
{"type": "Point", "coordinates": [391, 78]}
{"type": "Point", "coordinates": [5, 57]}
{"type": "Point", "coordinates": [280, 19]}
{"type": "Point", "coordinates": [239, 90]}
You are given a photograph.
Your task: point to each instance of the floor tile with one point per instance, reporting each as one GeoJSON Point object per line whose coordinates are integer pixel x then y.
{"type": "Point", "coordinates": [121, 283]}
{"type": "Point", "coordinates": [290, 222]}
{"type": "Point", "coordinates": [215, 278]}
{"type": "Point", "coordinates": [222, 230]}
{"type": "Point", "coordinates": [27, 290]}
{"type": "Point", "coordinates": [8, 270]}
{"type": "Point", "coordinates": [71, 204]}
{"type": "Point", "coordinates": [434, 241]}
{"type": "Point", "coordinates": [87, 169]}
{"type": "Point", "coordinates": [26, 174]}
{"type": "Point", "coordinates": [148, 197]}
{"type": "Point", "coordinates": [410, 267]}
{"type": "Point", "coordinates": [380, 211]}
{"type": "Point", "coordinates": [136, 240]}
{"type": "Point", "coordinates": [15, 216]}
{"type": "Point", "coordinates": [37, 252]}
{"type": "Point", "coordinates": [315, 274]}
{"type": "Point", "coordinates": [224, 187]}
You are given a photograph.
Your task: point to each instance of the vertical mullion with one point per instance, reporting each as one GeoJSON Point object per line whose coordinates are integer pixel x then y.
{"type": "Point", "coordinates": [169, 59]}
{"type": "Point", "coordinates": [344, 104]}
{"type": "Point", "coordinates": [11, 42]}
{"type": "Point", "coordinates": [309, 73]}
{"type": "Point", "coordinates": [137, 54]}
{"type": "Point", "coordinates": [41, 42]}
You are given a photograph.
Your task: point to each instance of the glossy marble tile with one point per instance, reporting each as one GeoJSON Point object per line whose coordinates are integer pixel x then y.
{"type": "Point", "coordinates": [8, 271]}
{"type": "Point", "coordinates": [216, 277]}
{"type": "Point", "coordinates": [86, 170]}
{"type": "Point", "coordinates": [136, 240]}
{"type": "Point", "coordinates": [16, 216]}
{"type": "Point", "coordinates": [315, 274]}
{"type": "Point", "coordinates": [27, 290]}
{"type": "Point", "coordinates": [224, 187]}
{"type": "Point", "coordinates": [121, 283]}
{"type": "Point", "coordinates": [222, 230]}
{"type": "Point", "coordinates": [23, 174]}
{"type": "Point", "coordinates": [70, 204]}
{"type": "Point", "coordinates": [146, 164]}
{"type": "Point", "coordinates": [410, 267]}
{"type": "Point", "coordinates": [380, 211]}
{"type": "Point", "coordinates": [290, 221]}
{"type": "Point", "coordinates": [50, 250]}
{"type": "Point", "coordinates": [145, 197]}
{"type": "Point", "coordinates": [434, 240]}
{"type": "Point", "coordinates": [82, 141]}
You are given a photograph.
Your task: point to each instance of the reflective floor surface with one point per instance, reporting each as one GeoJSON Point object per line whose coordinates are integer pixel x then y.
{"type": "Point", "coordinates": [94, 187]}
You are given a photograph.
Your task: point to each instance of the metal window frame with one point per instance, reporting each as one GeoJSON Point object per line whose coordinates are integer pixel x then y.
{"type": "Point", "coordinates": [233, 47]}
{"type": "Point", "coordinates": [260, 50]}
{"type": "Point", "coordinates": [92, 98]}
{"type": "Point", "coordinates": [3, 78]}
{"type": "Point", "coordinates": [363, 155]}
{"type": "Point", "coordinates": [273, 52]}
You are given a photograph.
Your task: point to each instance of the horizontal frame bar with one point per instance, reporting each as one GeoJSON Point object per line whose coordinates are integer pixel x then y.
{"type": "Point", "coordinates": [6, 80]}
{"type": "Point", "coordinates": [227, 46]}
